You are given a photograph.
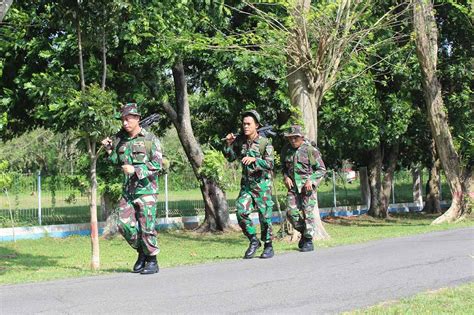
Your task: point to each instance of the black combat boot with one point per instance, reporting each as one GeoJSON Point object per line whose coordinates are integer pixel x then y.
{"type": "Point", "coordinates": [151, 266]}
{"type": "Point", "coordinates": [253, 246]}
{"type": "Point", "coordinates": [301, 242]}
{"type": "Point", "coordinates": [267, 251]}
{"type": "Point", "coordinates": [307, 245]}
{"type": "Point", "coordinates": [140, 263]}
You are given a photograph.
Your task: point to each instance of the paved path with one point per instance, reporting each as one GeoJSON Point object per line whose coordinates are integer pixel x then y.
{"type": "Point", "coordinates": [321, 282]}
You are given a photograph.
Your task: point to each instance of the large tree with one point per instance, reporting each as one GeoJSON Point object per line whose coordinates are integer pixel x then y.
{"type": "Point", "coordinates": [57, 81]}
{"type": "Point", "coordinates": [427, 51]}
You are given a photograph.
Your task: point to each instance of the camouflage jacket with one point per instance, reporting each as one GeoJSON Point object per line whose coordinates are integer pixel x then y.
{"type": "Point", "coordinates": [144, 153]}
{"type": "Point", "coordinates": [299, 166]}
{"type": "Point", "coordinates": [262, 168]}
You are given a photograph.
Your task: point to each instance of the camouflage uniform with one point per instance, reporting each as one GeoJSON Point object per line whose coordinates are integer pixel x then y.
{"type": "Point", "coordinates": [255, 185]}
{"type": "Point", "coordinates": [137, 206]}
{"type": "Point", "coordinates": [300, 165]}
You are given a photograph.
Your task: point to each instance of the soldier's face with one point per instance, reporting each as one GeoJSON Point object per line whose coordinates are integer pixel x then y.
{"type": "Point", "coordinates": [295, 141]}
{"type": "Point", "coordinates": [130, 123]}
{"type": "Point", "coordinates": [249, 126]}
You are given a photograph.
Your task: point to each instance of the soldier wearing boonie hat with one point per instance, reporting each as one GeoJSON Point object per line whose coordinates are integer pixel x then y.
{"type": "Point", "coordinates": [139, 154]}
{"type": "Point", "coordinates": [303, 170]}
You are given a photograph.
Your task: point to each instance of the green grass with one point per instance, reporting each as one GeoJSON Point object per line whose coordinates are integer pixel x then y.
{"type": "Point", "coordinates": [458, 300]}
{"type": "Point", "coordinates": [48, 258]}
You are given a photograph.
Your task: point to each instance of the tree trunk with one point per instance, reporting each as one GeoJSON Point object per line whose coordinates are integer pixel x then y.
{"type": "Point", "coordinates": [302, 93]}
{"type": "Point", "coordinates": [432, 203]}
{"type": "Point", "coordinates": [427, 50]}
{"type": "Point", "coordinates": [416, 187]}
{"type": "Point", "coordinates": [79, 46]}
{"type": "Point", "coordinates": [4, 6]}
{"type": "Point", "coordinates": [104, 60]}
{"type": "Point", "coordinates": [469, 184]}
{"type": "Point", "coordinates": [387, 180]}
{"type": "Point", "coordinates": [215, 201]}
{"type": "Point", "coordinates": [303, 98]}
{"type": "Point", "coordinates": [364, 186]}
{"type": "Point", "coordinates": [95, 260]}
{"type": "Point", "coordinates": [375, 183]}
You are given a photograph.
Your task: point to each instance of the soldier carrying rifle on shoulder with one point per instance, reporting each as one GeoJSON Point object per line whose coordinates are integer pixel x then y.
{"type": "Point", "coordinates": [139, 154]}
{"type": "Point", "coordinates": [255, 153]}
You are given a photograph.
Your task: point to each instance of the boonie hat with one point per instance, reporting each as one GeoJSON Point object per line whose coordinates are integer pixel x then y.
{"type": "Point", "coordinates": [129, 109]}
{"type": "Point", "coordinates": [294, 130]}
{"type": "Point", "coordinates": [252, 113]}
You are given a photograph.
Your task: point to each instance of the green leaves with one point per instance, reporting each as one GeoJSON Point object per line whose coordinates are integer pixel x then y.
{"type": "Point", "coordinates": [5, 177]}
{"type": "Point", "coordinates": [214, 166]}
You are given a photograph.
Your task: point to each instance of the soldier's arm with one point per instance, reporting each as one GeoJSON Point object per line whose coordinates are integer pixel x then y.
{"type": "Point", "coordinates": [154, 164]}
{"type": "Point", "coordinates": [267, 160]}
{"type": "Point", "coordinates": [284, 169]}
{"type": "Point", "coordinates": [319, 169]}
{"type": "Point", "coordinates": [229, 152]}
{"type": "Point", "coordinates": [113, 156]}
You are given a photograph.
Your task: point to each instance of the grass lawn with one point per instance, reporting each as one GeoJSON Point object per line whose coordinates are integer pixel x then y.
{"type": "Point", "coordinates": [458, 300]}
{"type": "Point", "coordinates": [48, 258]}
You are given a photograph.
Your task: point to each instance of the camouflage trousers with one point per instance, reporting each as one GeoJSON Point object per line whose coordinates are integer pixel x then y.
{"type": "Point", "coordinates": [300, 211]}
{"type": "Point", "coordinates": [259, 197]}
{"type": "Point", "coordinates": [137, 217]}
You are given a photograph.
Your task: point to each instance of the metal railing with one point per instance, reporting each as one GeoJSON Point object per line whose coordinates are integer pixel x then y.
{"type": "Point", "coordinates": [33, 201]}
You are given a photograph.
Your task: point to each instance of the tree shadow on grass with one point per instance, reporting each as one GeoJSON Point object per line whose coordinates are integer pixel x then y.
{"type": "Point", "coordinates": [12, 259]}
{"type": "Point", "coordinates": [399, 219]}
{"type": "Point", "coordinates": [205, 238]}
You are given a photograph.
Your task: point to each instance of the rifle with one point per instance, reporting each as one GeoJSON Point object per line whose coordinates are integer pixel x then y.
{"type": "Point", "coordinates": [265, 131]}
{"type": "Point", "coordinates": [150, 120]}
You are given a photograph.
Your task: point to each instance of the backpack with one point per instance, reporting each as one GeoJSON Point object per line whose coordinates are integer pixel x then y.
{"type": "Point", "coordinates": [263, 145]}
{"type": "Point", "coordinates": [311, 157]}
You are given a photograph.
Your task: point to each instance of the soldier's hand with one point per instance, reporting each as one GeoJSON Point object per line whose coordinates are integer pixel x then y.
{"type": "Point", "coordinates": [288, 182]}
{"type": "Point", "coordinates": [107, 143]}
{"type": "Point", "coordinates": [308, 186]}
{"type": "Point", "coordinates": [248, 160]}
{"type": "Point", "coordinates": [128, 169]}
{"type": "Point", "coordinates": [230, 138]}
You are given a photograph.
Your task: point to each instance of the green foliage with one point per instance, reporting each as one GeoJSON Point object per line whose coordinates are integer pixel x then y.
{"type": "Point", "coordinates": [42, 149]}
{"type": "Point", "coordinates": [3, 120]}
{"type": "Point", "coordinates": [234, 58]}
{"type": "Point", "coordinates": [214, 166]}
{"type": "Point", "coordinates": [79, 182]}
{"type": "Point", "coordinates": [296, 118]}
{"type": "Point", "coordinates": [5, 178]}
{"type": "Point", "coordinates": [90, 113]}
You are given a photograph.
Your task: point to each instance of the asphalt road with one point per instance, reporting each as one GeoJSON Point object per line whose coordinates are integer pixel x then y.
{"type": "Point", "coordinates": [326, 281]}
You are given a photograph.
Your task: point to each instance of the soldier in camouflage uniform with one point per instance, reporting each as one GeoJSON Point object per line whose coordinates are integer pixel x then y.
{"type": "Point", "coordinates": [303, 170]}
{"type": "Point", "coordinates": [139, 154]}
{"type": "Point", "coordinates": [256, 155]}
